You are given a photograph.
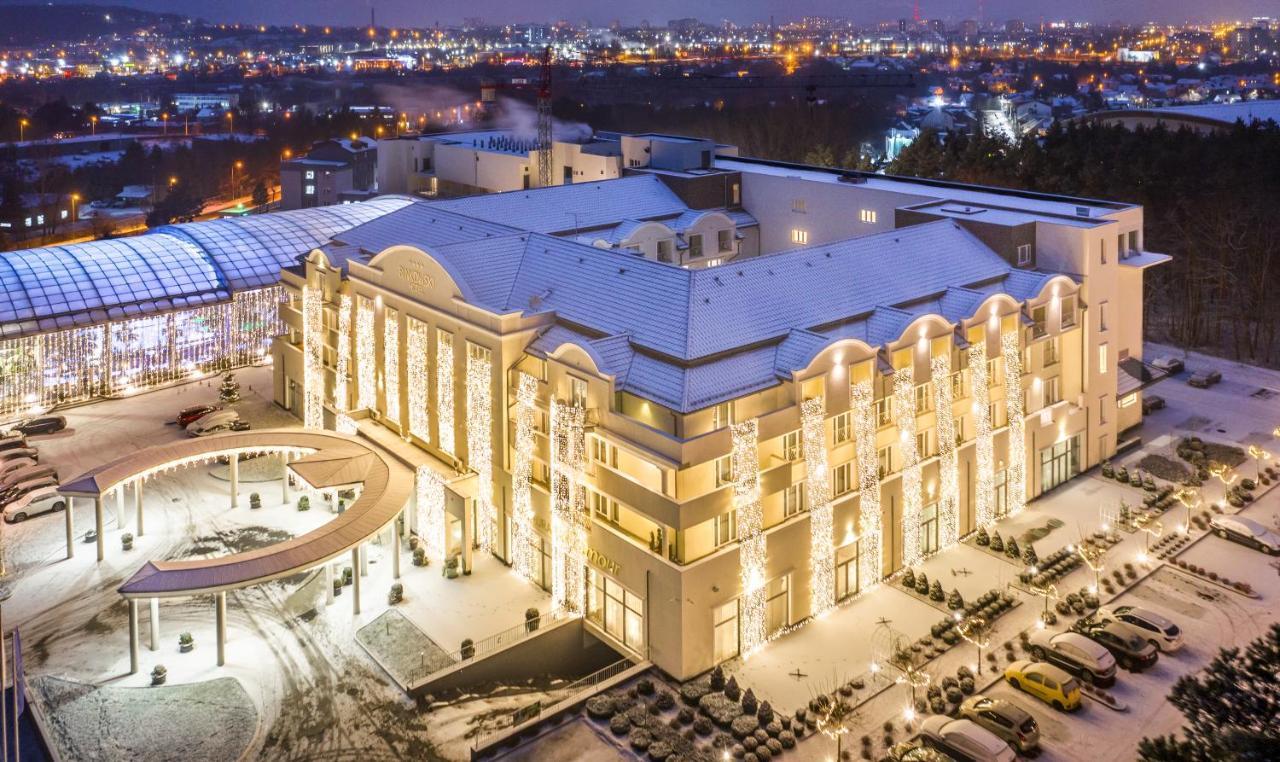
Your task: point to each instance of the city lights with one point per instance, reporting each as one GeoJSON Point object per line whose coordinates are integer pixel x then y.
{"type": "Point", "coordinates": [429, 493]}
{"type": "Point", "coordinates": [313, 357]}
{"type": "Point", "coordinates": [570, 524]}
{"type": "Point", "coordinates": [342, 366]}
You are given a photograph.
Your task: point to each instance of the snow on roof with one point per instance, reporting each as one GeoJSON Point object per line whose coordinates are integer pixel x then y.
{"type": "Point", "coordinates": [1228, 113]}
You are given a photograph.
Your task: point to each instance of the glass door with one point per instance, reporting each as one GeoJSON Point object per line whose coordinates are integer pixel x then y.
{"type": "Point", "coordinates": [778, 604]}
{"type": "Point", "coordinates": [847, 571]}
{"type": "Point", "coordinates": [1059, 463]}
{"type": "Point", "coordinates": [1001, 494]}
{"type": "Point", "coordinates": [929, 529]}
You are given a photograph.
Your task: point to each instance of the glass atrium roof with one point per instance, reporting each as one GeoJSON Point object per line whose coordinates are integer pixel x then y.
{"type": "Point", "coordinates": [173, 266]}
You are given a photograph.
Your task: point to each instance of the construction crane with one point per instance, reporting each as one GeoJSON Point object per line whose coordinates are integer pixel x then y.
{"type": "Point", "coordinates": [544, 120]}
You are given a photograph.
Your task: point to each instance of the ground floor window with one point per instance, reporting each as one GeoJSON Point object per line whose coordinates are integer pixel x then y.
{"type": "Point", "coordinates": [778, 604]}
{"type": "Point", "coordinates": [616, 610]}
{"type": "Point", "coordinates": [1001, 489]}
{"type": "Point", "coordinates": [725, 618]}
{"type": "Point", "coordinates": [847, 570]}
{"type": "Point", "coordinates": [929, 529]}
{"type": "Point", "coordinates": [1059, 463]}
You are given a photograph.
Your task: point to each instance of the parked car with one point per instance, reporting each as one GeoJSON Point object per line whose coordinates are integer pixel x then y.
{"type": "Point", "coordinates": [217, 423]}
{"type": "Point", "coordinates": [9, 494]}
{"type": "Point", "coordinates": [46, 424]}
{"type": "Point", "coordinates": [1076, 654]}
{"type": "Point", "coordinates": [42, 500]}
{"type": "Point", "coordinates": [1203, 379]}
{"type": "Point", "coordinates": [189, 415]}
{"type": "Point", "coordinates": [964, 739]}
{"type": "Point", "coordinates": [911, 751]}
{"type": "Point", "coordinates": [19, 453]}
{"type": "Point", "coordinates": [1131, 650]}
{"type": "Point", "coordinates": [26, 472]}
{"type": "Point", "coordinates": [11, 465]}
{"type": "Point", "coordinates": [1246, 532]}
{"type": "Point", "coordinates": [12, 442]}
{"type": "Point", "coordinates": [1170, 365]}
{"type": "Point", "coordinates": [1152, 403]}
{"type": "Point", "coordinates": [1046, 682]}
{"type": "Point", "coordinates": [1158, 630]}
{"type": "Point", "coordinates": [1010, 722]}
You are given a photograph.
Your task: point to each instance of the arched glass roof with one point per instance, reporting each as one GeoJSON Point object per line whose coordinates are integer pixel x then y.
{"type": "Point", "coordinates": [172, 266]}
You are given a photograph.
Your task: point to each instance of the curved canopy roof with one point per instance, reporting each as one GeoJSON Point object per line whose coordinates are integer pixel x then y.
{"type": "Point", "coordinates": [171, 267]}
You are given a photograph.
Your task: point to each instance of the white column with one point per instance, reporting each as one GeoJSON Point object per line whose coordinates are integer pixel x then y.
{"type": "Point", "coordinates": [68, 510]}
{"type": "Point", "coordinates": [235, 480]}
{"type": "Point", "coordinates": [364, 561]}
{"type": "Point", "coordinates": [98, 522]}
{"type": "Point", "coordinates": [137, 503]}
{"type": "Point", "coordinates": [328, 583]}
{"type": "Point", "coordinates": [221, 599]}
{"type": "Point", "coordinates": [395, 547]}
{"type": "Point", "coordinates": [284, 477]}
{"type": "Point", "coordinates": [355, 585]}
{"type": "Point", "coordinates": [133, 636]}
{"type": "Point", "coordinates": [155, 624]}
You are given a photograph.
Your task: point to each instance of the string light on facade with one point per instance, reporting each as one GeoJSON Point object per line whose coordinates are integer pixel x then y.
{"type": "Point", "coordinates": [984, 493]}
{"type": "Point", "coordinates": [948, 459]}
{"type": "Point", "coordinates": [391, 362]}
{"type": "Point", "coordinates": [744, 459]}
{"type": "Point", "coordinates": [342, 368]}
{"type": "Point", "coordinates": [417, 372]}
{"type": "Point", "coordinates": [525, 553]}
{"type": "Point", "coordinates": [366, 365]}
{"type": "Point", "coordinates": [1011, 350]}
{"type": "Point", "coordinates": [345, 424]}
{"type": "Point", "coordinates": [869, 529]}
{"type": "Point", "coordinates": [429, 488]}
{"type": "Point", "coordinates": [822, 551]}
{"type": "Point", "coordinates": [480, 441]}
{"type": "Point", "coordinates": [312, 358]}
{"type": "Point", "coordinates": [444, 389]}
{"type": "Point", "coordinates": [569, 520]}
{"type": "Point", "coordinates": [904, 401]}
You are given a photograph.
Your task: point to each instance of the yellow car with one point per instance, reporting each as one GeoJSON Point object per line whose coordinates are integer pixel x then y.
{"type": "Point", "coordinates": [1046, 682]}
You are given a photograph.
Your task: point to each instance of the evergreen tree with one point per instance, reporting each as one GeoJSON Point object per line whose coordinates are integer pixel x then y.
{"type": "Point", "coordinates": [259, 194]}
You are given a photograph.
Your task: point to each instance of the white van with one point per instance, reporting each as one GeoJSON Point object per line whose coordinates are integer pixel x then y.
{"type": "Point", "coordinates": [217, 423]}
{"type": "Point", "coordinates": [41, 500]}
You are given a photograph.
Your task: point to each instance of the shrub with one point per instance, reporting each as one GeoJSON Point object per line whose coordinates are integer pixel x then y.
{"type": "Point", "coordinates": [967, 686]}
{"type": "Point", "coordinates": [983, 538]}
{"type": "Point", "coordinates": [955, 600]}
{"type": "Point", "coordinates": [186, 642]}
{"type": "Point", "coordinates": [787, 739]}
{"type": "Point", "coordinates": [908, 578]}
{"type": "Point", "coordinates": [731, 689]}
{"type": "Point", "coordinates": [935, 591]}
{"type": "Point", "coordinates": [1011, 548]}
{"type": "Point", "coordinates": [685, 715]}
{"type": "Point", "coordinates": [659, 751]}
{"type": "Point", "coordinates": [1029, 556]}
{"type": "Point", "coordinates": [600, 707]}
{"type": "Point", "coordinates": [665, 701]}
{"type": "Point", "coordinates": [644, 686]}
{"type": "Point", "coordinates": [765, 713]}
{"type": "Point", "coordinates": [531, 619]}
{"type": "Point", "coordinates": [468, 648]}
{"type": "Point", "coordinates": [997, 543]}
{"type": "Point", "coordinates": [749, 703]}
{"type": "Point", "coordinates": [396, 594]}
{"type": "Point", "coordinates": [419, 556]}
{"type": "Point", "coordinates": [922, 583]}
{"type": "Point", "coordinates": [702, 726]}
{"type": "Point", "coordinates": [717, 678]}
{"type": "Point", "coordinates": [692, 692]}
{"type": "Point", "coordinates": [954, 695]}
{"type": "Point", "coordinates": [159, 674]}
{"type": "Point", "coordinates": [1050, 618]}
{"type": "Point", "coordinates": [936, 706]}
{"type": "Point", "coordinates": [640, 739]}
{"type": "Point", "coordinates": [304, 503]}
{"type": "Point", "coordinates": [744, 725]}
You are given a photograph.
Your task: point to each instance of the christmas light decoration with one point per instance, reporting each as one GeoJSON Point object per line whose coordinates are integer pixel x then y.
{"type": "Point", "coordinates": [1011, 350]}
{"type": "Point", "coordinates": [391, 363]}
{"type": "Point", "coordinates": [822, 550]}
{"type": "Point", "coordinates": [366, 359]}
{"type": "Point", "coordinates": [869, 530]}
{"type": "Point", "coordinates": [444, 389]}
{"type": "Point", "coordinates": [429, 489]}
{"type": "Point", "coordinates": [312, 358]}
{"type": "Point", "coordinates": [570, 522]}
{"type": "Point", "coordinates": [342, 368]}
{"type": "Point", "coordinates": [417, 370]}
{"type": "Point", "coordinates": [948, 459]}
{"type": "Point", "coordinates": [744, 459]}
{"type": "Point", "coordinates": [345, 424]}
{"type": "Point", "coordinates": [480, 441]}
{"type": "Point", "coordinates": [904, 401]}
{"type": "Point", "coordinates": [984, 492]}
{"type": "Point", "coordinates": [525, 556]}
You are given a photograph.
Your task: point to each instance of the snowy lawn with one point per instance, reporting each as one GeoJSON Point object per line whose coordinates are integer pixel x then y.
{"type": "Point", "coordinates": [402, 648]}
{"type": "Point", "coordinates": [575, 741]}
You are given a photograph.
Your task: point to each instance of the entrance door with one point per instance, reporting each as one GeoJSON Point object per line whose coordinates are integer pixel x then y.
{"type": "Point", "coordinates": [1001, 494]}
{"type": "Point", "coordinates": [1059, 463]}
{"type": "Point", "coordinates": [847, 570]}
{"type": "Point", "coordinates": [778, 604]}
{"type": "Point", "coordinates": [929, 529]}
{"type": "Point", "coordinates": [726, 631]}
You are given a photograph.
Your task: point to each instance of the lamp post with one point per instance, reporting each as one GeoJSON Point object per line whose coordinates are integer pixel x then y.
{"type": "Point", "coordinates": [165, 119]}
{"type": "Point", "coordinates": [1092, 557]}
{"type": "Point", "coordinates": [1259, 455]}
{"type": "Point", "coordinates": [977, 630]}
{"type": "Point", "coordinates": [231, 122]}
{"type": "Point", "coordinates": [1190, 499]}
{"type": "Point", "coordinates": [22, 129]}
{"type": "Point", "coordinates": [74, 198]}
{"type": "Point", "coordinates": [237, 164]}
{"type": "Point", "coordinates": [93, 124]}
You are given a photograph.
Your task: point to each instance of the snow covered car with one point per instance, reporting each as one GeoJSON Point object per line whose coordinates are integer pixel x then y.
{"type": "Point", "coordinates": [1170, 365]}
{"type": "Point", "coordinates": [1158, 630]}
{"type": "Point", "coordinates": [19, 453]}
{"type": "Point", "coordinates": [42, 500]}
{"type": "Point", "coordinates": [12, 442]}
{"type": "Point", "coordinates": [1076, 654]}
{"type": "Point", "coordinates": [1246, 532]}
{"type": "Point", "coordinates": [48, 424]}
{"type": "Point", "coordinates": [21, 489]}
{"type": "Point", "coordinates": [217, 423]}
{"type": "Point", "coordinates": [1203, 379]}
{"type": "Point", "coordinates": [1152, 403]}
{"type": "Point", "coordinates": [1132, 651]}
{"type": "Point", "coordinates": [964, 739]}
{"type": "Point", "coordinates": [189, 415]}
{"type": "Point", "coordinates": [21, 471]}
{"type": "Point", "coordinates": [1046, 682]}
{"type": "Point", "coordinates": [1005, 719]}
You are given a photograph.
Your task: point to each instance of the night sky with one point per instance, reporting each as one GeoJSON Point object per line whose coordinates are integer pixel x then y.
{"type": "Point", "coordinates": [425, 13]}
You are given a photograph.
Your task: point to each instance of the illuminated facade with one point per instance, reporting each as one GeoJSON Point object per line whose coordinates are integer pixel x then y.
{"type": "Point", "coordinates": [720, 453]}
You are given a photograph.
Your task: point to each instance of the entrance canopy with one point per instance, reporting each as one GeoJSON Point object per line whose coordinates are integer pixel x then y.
{"type": "Point", "coordinates": [328, 460]}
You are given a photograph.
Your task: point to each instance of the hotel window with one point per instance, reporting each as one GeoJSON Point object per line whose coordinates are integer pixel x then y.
{"type": "Point", "coordinates": [924, 400]}
{"type": "Point", "coordinates": [724, 470]}
{"type": "Point", "coordinates": [737, 194]}
{"type": "Point", "coordinates": [1103, 256]}
{"type": "Point", "coordinates": [799, 236]}
{"type": "Point", "coordinates": [1024, 254]}
{"type": "Point", "coordinates": [959, 430]}
{"type": "Point", "coordinates": [721, 415]}
{"type": "Point", "coordinates": [1133, 242]}
{"type": "Point", "coordinates": [842, 478]}
{"type": "Point", "coordinates": [993, 414]}
{"type": "Point", "coordinates": [310, 190]}
{"type": "Point", "coordinates": [695, 245]}
{"type": "Point", "coordinates": [577, 392]}
{"type": "Point", "coordinates": [993, 377]}
{"type": "Point", "coordinates": [929, 529]}
{"type": "Point", "coordinates": [604, 507]}
{"type": "Point", "coordinates": [310, 174]}
{"type": "Point", "coordinates": [664, 251]}
{"type": "Point", "coordinates": [1052, 351]}
{"type": "Point", "coordinates": [957, 385]}
{"type": "Point", "coordinates": [797, 205]}
{"type": "Point", "coordinates": [1068, 312]}
{"type": "Point", "coordinates": [922, 445]}
{"type": "Point", "coordinates": [884, 461]}
{"type": "Point", "coordinates": [1120, 247]}
{"type": "Point", "coordinates": [791, 446]}
{"type": "Point", "coordinates": [1128, 400]}
{"type": "Point", "coordinates": [1102, 410]}
{"type": "Point", "coordinates": [616, 610]}
{"type": "Point", "coordinates": [726, 528]}
{"type": "Point", "coordinates": [843, 428]}
{"type": "Point", "coordinates": [603, 452]}
{"type": "Point", "coordinates": [1038, 319]}
{"type": "Point", "coordinates": [884, 411]}
{"type": "Point", "coordinates": [793, 500]}
{"type": "Point", "coordinates": [724, 238]}
{"type": "Point", "coordinates": [1102, 316]}
{"type": "Point", "coordinates": [1052, 391]}
{"type": "Point", "coordinates": [1102, 357]}
{"type": "Point", "coordinates": [868, 216]}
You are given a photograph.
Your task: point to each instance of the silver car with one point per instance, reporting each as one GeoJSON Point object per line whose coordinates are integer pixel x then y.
{"type": "Point", "coordinates": [1010, 722]}
{"type": "Point", "coordinates": [1158, 630]}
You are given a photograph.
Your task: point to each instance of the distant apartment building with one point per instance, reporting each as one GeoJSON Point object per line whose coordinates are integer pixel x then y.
{"type": "Point", "coordinates": [332, 172]}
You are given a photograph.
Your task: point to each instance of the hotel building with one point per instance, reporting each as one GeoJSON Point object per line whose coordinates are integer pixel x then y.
{"type": "Point", "coordinates": [839, 375]}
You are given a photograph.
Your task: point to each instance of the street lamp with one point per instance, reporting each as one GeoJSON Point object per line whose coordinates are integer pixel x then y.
{"type": "Point", "coordinates": [237, 164]}
{"type": "Point", "coordinates": [22, 129]}
{"type": "Point", "coordinates": [93, 124]}
{"type": "Point", "coordinates": [74, 198]}
{"type": "Point", "coordinates": [165, 118]}
{"type": "Point", "coordinates": [231, 122]}
{"type": "Point", "coordinates": [1259, 455]}
{"type": "Point", "coordinates": [977, 631]}
{"type": "Point", "coordinates": [1190, 499]}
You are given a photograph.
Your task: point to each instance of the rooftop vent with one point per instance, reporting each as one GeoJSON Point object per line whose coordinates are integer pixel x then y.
{"type": "Point", "coordinates": [1083, 211]}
